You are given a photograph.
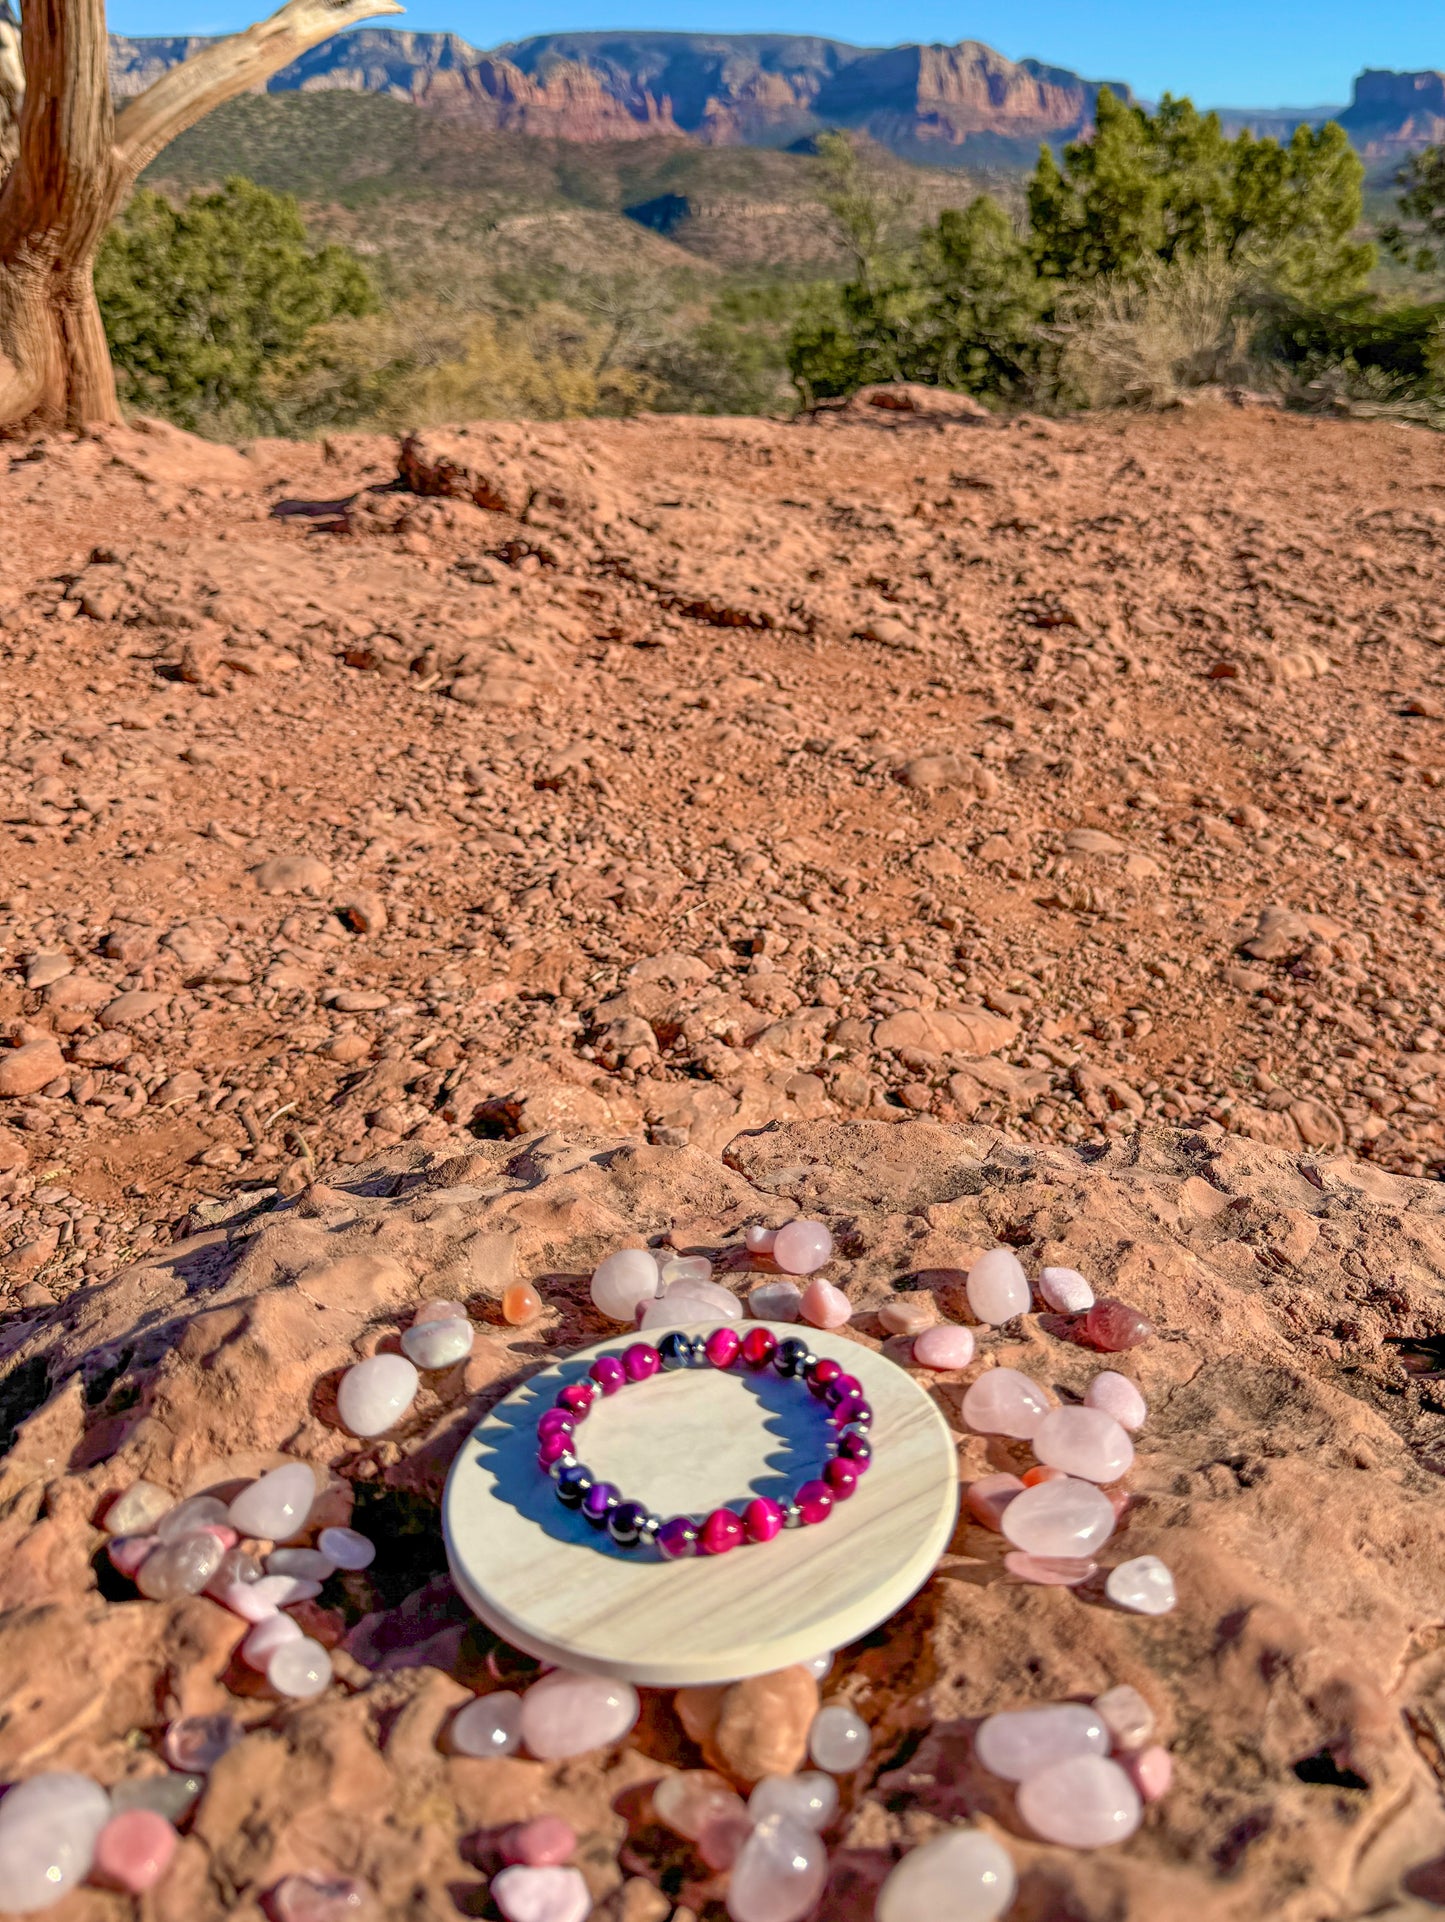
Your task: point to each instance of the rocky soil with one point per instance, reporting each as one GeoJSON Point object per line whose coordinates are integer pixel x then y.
{"type": "Point", "coordinates": [1289, 1472]}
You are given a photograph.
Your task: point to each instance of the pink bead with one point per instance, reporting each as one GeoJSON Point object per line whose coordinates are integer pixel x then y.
{"type": "Point", "coordinates": [801, 1248]}
{"type": "Point", "coordinates": [763, 1518]}
{"type": "Point", "coordinates": [556, 1421]}
{"type": "Point", "coordinates": [608, 1373]}
{"type": "Point", "coordinates": [126, 1552]}
{"type": "Point", "coordinates": [1084, 1442]}
{"type": "Point", "coordinates": [134, 1850]}
{"type": "Point", "coordinates": [578, 1396]}
{"type": "Point", "coordinates": [543, 1843]}
{"type": "Point", "coordinates": [824, 1305]}
{"type": "Point", "coordinates": [815, 1501]}
{"type": "Point", "coordinates": [723, 1346]}
{"type": "Point", "coordinates": [988, 1497]}
{"type": "Point", "coordinates": [641, 1361]}
{"type": "Point", "coordinates": [1005, 1402]}
{"type": "Point", "coordinates": [720, 1532]}
{"type": "Point", "coordinates": [842, 1477]}
{"type": "Point", "coordinates": [1116, 1395]}
{"type": "Point", "coordinates": [1048, 1571]}
{"type": "Point", "coordinates": [946, 1346]}
{"type": "Point", "coordinates": [553, 1446]}
{"type": "Point", "coordinates": [1114, 1325]}
{"type": "Point", "coordinates": [1151, 1771]}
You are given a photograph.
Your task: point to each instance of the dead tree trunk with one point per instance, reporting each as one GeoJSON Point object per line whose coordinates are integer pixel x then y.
{"type": "Point", "coordinates": [77, 161]}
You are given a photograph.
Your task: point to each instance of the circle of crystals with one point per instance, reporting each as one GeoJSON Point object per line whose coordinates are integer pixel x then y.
{"type": "Point", "coordinates": [629, 1523]}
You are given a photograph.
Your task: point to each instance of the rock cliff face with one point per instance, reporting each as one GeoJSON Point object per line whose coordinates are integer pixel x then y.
{"type": "Point", "coordinates": [1393, 112]}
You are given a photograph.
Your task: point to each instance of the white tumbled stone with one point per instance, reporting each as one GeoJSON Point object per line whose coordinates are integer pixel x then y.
{"type": "Point", "coordinates": [960, 1876]}
{"type": "Point", "coordinates": [622, 1282]}
{"type": "Point", "coordinates": [277, 1506]}
{"type": "Point", "coordinates": [1143, 1585]}
{"type": "Point", "coordinates": [376, 1393]}
{"type": "Point", "coordinates": [438, 1344]}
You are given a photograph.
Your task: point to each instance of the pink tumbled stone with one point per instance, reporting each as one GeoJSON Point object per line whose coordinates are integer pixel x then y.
{"type": "Point", "coordinates": [824, 1305]}
{"type": "Point", "coordinates": [440, 1311]}
{"type": "Point", "coordinates": [266, 1637]}
{"type": "Point", "coordinates": [543, 1843]}
{"type": "Point", "coordinates": [569, 1714]}
{"type": "Point", "coordinates": [527, 1894]}
{"type": "Point", "coordinates": [1017, 1742]}
{"type": "Point", "coordinates": [1065, 1519]}
{"type": "Point", "coordinates": [1048, 1571]}
{"type": "Point", "coordinates": [1113, 1325]}
{"type": "Point", "coordinates": [759, 1241]}
{"type": "Point", "coordinates": [134, 1850]}
{"type": "Point", "coordinates": [320, 1898]}
{"type": "Point", "coordinates": [1117, 1396]}
{"type": "Point", "coordinates": [801, 1248]}
{"type": "Point", "coordinates": [1151, 1770]}
{"type": "Point", "coordinates": [997, 1287]}
{"type": "Point", "coordinates": [1086, 1802]}
{"type": "Point", "coordinates": [1005, 1402]}
{"type": "Point", "coordinates": [1084, 1442]}
{"type": "Point", "coordinates": [1066, 1291]}
{"type": "Point", "coordinates": [126, 1552]}
{"type": "Point", "coordinates": [988, 1497]}
{"type": "Point", "coordinates": [944, 1346]}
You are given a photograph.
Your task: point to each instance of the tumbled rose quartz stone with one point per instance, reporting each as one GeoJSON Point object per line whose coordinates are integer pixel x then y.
{"type": "Point", "coordinates": [1084, 1442]}
{"type": "Point", "coordinates": [137, 1511]}
{"type": "Point", "coordinates": [346, 1547]}
{"type": "Point", "coordinates": [1048, 1571]}
{"type": "Point", "coordinates": [255, 1601]}
{"type": "Point", "coordinates": [988, 1497]}
{"type": "Point", "coordinates": [779, 1874]}
{"type": "Point", "coordinates": [823, 1305]}
{"type": "Point", "coordinates": [521, 1303]}
{"type": "Point", "coordinates": [688, 1801]}
{"type": "Point", "coordinates": [962, 1876]}
{"type": "Point", "coordinates": [1117, 1396]}
{"type": "Point", "coordinates": [1127, 1716]}
{"type": "Point", "coordinates": [1085, 1802]}
{"type": "Point", "coordinates": [818, 1665]}
{"type": "Point", "coordinates": [320, 1898]}
{"type": "Point", "coordinates": [675, 1268]}
{"type": "Point", "coordinates": [621, 1282]}
{"type": "Point", "coordinates": [1114, 1325]}
{"type": "Point", "coordinates": [376, 1393]}
{"type": "Point", "coordinates": [908, 1314]}
{"type": "Point", "coordinates": [1020, 1741]}
{"type": "Point", "coordinates": [802, 1247]}
{"type": "Point", "coordinates": [1065, 1290]}
{"type": "Point", "coordinates": [1151, 1771]}
{"type": "Point", "coordinates": [40, 1861]}
{"type": "Point", "coordinates": [309, 1563]}
{"type": "Point", "coordinates": [1144, 1585]}
{"type": "Point", "coordinates": [438, 1344]}
{"type": "Point", "coordinates": [196, 1743]}
{"type": "Point", "coordinates": [299, 1669]}
{"type": "Point", "coordinates": [63, 1797]}
{"type": "Point", "coordinates": [945, 1346]}
{"type": "Point", "coordinates": [492, 1725]}
{"type": "Point", "coordinates": [689, 1302]}
{"type": "Point", "coordinates": [179, 1568]}
{"type": "Point", "coordinates": [776, 1301]}
{"type": "Point", "coordinates": [1005, 1402]}
{"type": "Point", "coordinates": [134, 1850]}
{"type": "Point", "coordinates": [1068, 1518]}
{"type": "Point", "coordinates": [543, 1843]}
{"type": "Point", "coordinates": [839, 1739]}
{"type": "Point", "coordinates": [189, 1517]}
{"type": "Point", "coordinates": [570, 1714]}
{"type": "Point", "coordinates": [997, 1287]}
{"type": "Point", "coordinates": [810, 1798]}
{"type": "Point", "coordinates": [277, 1506]}
{"type": "Point", "coordinates": [525, 1894]}
{"type": "Point", "coordinates": [759, 1241]}
{"type": "Point", "coordinates": [441, 1311]}
{"type": "Point", "coordinates": [262, 1642]}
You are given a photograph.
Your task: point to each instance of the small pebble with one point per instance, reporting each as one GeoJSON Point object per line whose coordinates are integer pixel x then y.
{"type": "Point", "coordinates": [776, 1301]}
{"type": "Point", "coordinates": [1114, 1325]}
{"type": "Point", "coordinates": [137, 1511]}
{"type": "Point", "coordinates": [692, 1800]}
{"type": "Point", "coordinates": [299, 1669]}
{"type": "Point", "coordinates": [1117, 1396]}
{"type": "Point", "coordinates": [520, 1304]}
{"type": "Point", "coordinates": [839, 1739]}
{"type": "Point", "coordinates": [810, 1798]}
{"type": "Point", "coordinates": [997, 1287]}
{"type": "Point", "coordinates": [962, 1875]}
{"type": "Point", "coordinates": [309, 1563]}
{"type": "Point", "coordinates": [908, 1314]}
{"type": "Point", "coordinates": [1144, 1585]}
{"type": "Point", "coordinates": [779, 1874]}
{"type": "Point", "coordinates": [622, 1282]}
{"type": "Point", "coordinates": [1068, 1519]}
{"type": "Point", "coordinates": [276, 1507]}
{"type": "Point", "coordinates": [438, 1344]}
{"type": "Point", "coordinates": [1018, 1742]}
{"type": "Point", "coordinates": [195, 1743]}
{"type": "Point", "coordinates": [262, 1642]}
{"type": "Point", "coordinates": [320, 1898]}
{"type": "Point", "coordinates": [445, 1310]}
{"type": "Point", "coordinates": [1005, 1402]}
{"type": "Point", "coordinates": [945, 1346]}
{"type": "Point", "coordinates": [189, 1517]}
{"type": "Point", "coordinates": [1084, 1442]}
{"type": "Point", "coordinates": [346, 1548]}
{"type": "Point", "coordinates": [543, 1843]}
{"type": "Point", "coordinates": [525, 1894]}
{"type": "Point", "coordinates": [491, 1725]}
{"type": "Point", "coordinates": [988, 1497]}
{"type": "Point", "coordinates": [802, 1247]}
{"type": "Point", "coordinates": [134, 1850]}
{"type": "Point", "coordinates": [1048, 1571]}
{"type": "Point", "coordinates": [1086, 1802]}
{"type": "Point", "coordinates": [1127, 1716]}
{"type": "Point", "coordinates": [1065, 1291]}
{"type": "Point", "coordinates": [823, 1305]}
{"type": "Point", "coordinates": [376, 1393]}
{"type": "Point", "coordinates": [1151, 1770]}
{"type": "Point", "coordinates": [571, 1714]}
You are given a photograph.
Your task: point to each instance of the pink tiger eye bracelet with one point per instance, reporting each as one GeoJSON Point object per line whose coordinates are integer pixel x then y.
{"type": "Point", "coordinates": [631, 1524]}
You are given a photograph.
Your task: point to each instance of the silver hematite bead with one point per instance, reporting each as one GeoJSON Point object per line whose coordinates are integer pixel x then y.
{"type": "Point", "coordinates": [647, 1534]}
{"type": "Point", "coordinates": [554, 1469]}
{"type": "Point", "coordinates": [792, 1515]}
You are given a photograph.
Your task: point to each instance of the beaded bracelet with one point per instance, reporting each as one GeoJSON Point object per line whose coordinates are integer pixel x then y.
{"type": "Point", "coordinates": [629, 1523]}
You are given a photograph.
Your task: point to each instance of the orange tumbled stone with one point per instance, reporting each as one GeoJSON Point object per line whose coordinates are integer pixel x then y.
{"type": "Point", "coordinates": [521, 1303]}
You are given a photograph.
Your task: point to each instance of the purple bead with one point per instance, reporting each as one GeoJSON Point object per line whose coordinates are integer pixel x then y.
{"type": "Point", "coordinates": [822, 1376]}
{"type": "Point", "coordinates": [599, 1501]}
{"type": "Point", "coordinates": [677, 1539]}
{"type": "Point", "coordinates": [851, 1409]}
{"type": "Point", "coordinates": [578, 1396]}
{"type": "Point", "coordinates": [856, 1448]}
{"type": "Point", "coordinates": [759, 1347]}
{"type": "Point", "coordinates": [720, 1532]}
{"type": "Point", "coordinates": [624, 1523]}
{"type": "Point", "coordinates": [762, 1519]}
{"type": "Point", "coordinates": [842, 1477]}
{"type": "Point", "coordinates": [815, 1501]}
{"type": "Point", "coordinates": [641, 1361]}
{"type": "Point", "coordinates": [608, 1373]}
{"type": "Point", "coordinates": [553, 1447]}
{"type": "Point", "coordinates": [841, 1387]}
{"type": "Point", "coordinates": [723, 1346]}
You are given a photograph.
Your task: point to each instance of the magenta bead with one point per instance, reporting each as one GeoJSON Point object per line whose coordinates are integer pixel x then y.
{"type": "Point", "coordinates": [677, 1539]}
{"type": "Point", "coordinates": [823, 1376]}
{"type": "Point", "coordinates": [842, 1477]}
{"type": "Point", "coordinates": [762, 1519]}
{"type": "Point", "coordinates": [721, 1531]}
{"type": "Point", "coordinates": [641, 1361]}
{"type": "Point", "coordinates": [553, 1447]}
{"type": "Point", "coordinates": [852, 1408]}
{"type": "Point", "coordinates": [557, 1421]}
{"type": "Point", "coordinates": [856, 1449]}
{"type": "Point", "coordinates": [723, 1347]}
{"type": "Point", "coordinates": [608, 1373]}
{"type": "Point", "coordinates": [815, 1501]}
{"type": "Point", "coordinates": [841, 1387]}
{"type": "Point", "coordinates": [759, 1346]}
{"type": "Point", "coordinates": [578, 1396]}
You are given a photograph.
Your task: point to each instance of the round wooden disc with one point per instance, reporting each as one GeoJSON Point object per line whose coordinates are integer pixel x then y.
{"type": "Point", "coordinates": [684, 1443]}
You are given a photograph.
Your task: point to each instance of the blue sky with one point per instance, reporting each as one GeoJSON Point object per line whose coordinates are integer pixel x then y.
{"type": "Point", "coordinates": [1228, 53]}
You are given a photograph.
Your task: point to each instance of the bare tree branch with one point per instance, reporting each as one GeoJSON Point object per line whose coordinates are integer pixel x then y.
{"type": "Point", "coordinates": [218, 73]}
